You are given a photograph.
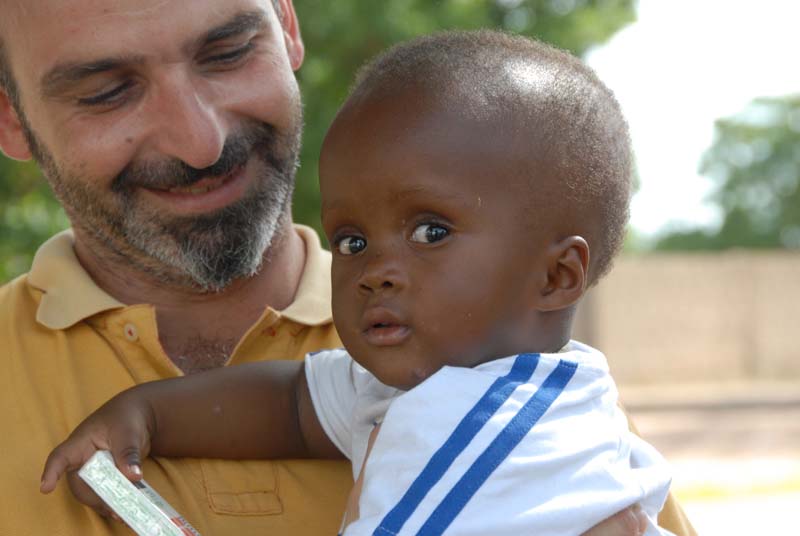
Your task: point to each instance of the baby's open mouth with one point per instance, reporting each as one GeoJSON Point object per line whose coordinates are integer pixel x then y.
{"type": "Point", "coordinates": [386, 334]}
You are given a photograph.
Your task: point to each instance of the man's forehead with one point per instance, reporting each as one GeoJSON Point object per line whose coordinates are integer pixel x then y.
{"type": "Point", "coordinates": [21, 11]}
{"type": "Point", "coordinates": [51, 32]}
{"type": "Point", "coordinates": [12, 10]}
{"type": "Point", "coordinates": [54, 11]}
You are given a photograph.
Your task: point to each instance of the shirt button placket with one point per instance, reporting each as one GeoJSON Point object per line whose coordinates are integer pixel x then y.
{"type": "Point", "coordinates": [131, 333]}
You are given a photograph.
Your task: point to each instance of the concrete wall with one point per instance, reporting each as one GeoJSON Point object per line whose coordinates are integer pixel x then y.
{"type": "Point", "coordinates": [697, 317]}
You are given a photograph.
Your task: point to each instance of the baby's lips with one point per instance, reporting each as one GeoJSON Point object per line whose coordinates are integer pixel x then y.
{"type": "Point", "coordinates": [380, 316]}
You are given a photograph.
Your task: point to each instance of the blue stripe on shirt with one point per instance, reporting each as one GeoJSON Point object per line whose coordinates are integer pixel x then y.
{"type": "Point", "coordinates": [498, 450]}
{"type": "Point", "coordinates": [502, 388]}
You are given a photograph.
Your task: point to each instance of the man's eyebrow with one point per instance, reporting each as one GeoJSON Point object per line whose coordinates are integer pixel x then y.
{"type": "Point", "coordinates": [247, 21]}
{"type": "Point", "coordinates": [70, 73]}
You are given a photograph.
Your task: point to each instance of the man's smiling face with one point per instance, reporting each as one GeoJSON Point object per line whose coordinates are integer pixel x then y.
{"type": "Point", "coordinates": [170, 135]}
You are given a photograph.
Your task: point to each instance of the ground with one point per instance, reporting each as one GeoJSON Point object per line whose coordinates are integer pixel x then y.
{"type": "Point", "coordinates": [734, 449]}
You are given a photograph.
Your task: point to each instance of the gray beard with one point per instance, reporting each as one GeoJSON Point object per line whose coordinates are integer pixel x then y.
{"type": "Point", "coordinates": [202, 253]}
{"type": "Point", "coordinates": [213, 251]}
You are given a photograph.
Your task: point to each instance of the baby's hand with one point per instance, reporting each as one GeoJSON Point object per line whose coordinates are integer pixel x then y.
{"type": "Point", "coordinates": [124, 426]}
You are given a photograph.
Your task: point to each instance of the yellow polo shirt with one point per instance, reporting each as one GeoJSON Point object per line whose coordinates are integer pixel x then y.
{"type": "Point", "coordinates": [66, 347]}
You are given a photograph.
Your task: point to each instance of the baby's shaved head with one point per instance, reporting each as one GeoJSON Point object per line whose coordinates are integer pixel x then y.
{"type": "Point", "coordinates": [556, 113]}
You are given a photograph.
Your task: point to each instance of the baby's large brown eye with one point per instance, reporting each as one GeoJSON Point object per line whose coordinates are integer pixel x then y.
{"type": "Point", "coordinates": [350, 245]}
{"type": "Point", "coordinates": [428, 233]}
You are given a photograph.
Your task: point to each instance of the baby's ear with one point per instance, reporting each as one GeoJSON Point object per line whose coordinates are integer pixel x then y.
{"type": "Point", "coordinates": [567, 264]}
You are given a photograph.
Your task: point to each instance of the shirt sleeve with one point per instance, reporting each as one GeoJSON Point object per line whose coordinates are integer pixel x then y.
{"type": "Point", "coordinates": [330, 378]}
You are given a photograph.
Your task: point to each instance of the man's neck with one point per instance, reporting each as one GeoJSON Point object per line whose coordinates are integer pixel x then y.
{"type": "Point", "coordinates": [199, 330]}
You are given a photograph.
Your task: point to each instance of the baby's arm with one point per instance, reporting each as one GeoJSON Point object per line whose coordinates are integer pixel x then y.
{"type": "Point", "coordinates": [258, 410]}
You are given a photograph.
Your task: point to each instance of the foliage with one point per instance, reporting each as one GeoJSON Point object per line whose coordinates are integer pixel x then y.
{"type": "Point", "coordinates": [339, 37]}
{"type": "Point", "coordinates": [755, 163]}
{"type": "Point", "coordinates": [28, 215]}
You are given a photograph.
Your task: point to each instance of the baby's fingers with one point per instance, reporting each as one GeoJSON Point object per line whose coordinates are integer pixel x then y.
{"type": "Point", "coordinates": [129, 443]}
{"type": "Point", "coordinates": [67, 457]}
{"type": "Point", "coordinates": [127, 451]}
{"type": "Point", "coordinates": [86, 495]}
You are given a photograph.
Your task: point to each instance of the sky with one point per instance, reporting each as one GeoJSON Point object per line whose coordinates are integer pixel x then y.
{"type": "Point", "coordinates": [680, 66]}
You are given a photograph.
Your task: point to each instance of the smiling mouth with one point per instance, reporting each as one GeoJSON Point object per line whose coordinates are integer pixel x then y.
{"type": "Point", "coordinates": [206, 195]}
{"type": "Point", "coordinates": [202, 186]}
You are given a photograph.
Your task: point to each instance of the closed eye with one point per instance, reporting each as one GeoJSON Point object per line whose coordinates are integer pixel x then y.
{"type": "Point", "coordinates": [231, 56]}
{"type": "Point", "coordinates": [111, 96]}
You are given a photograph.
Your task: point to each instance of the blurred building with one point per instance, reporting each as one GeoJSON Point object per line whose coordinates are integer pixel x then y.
{"type": "Point", "coordinates": [705, 317]}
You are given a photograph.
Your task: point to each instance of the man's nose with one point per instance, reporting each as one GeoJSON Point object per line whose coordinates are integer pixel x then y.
{"type": "Point", "coordinates": [187, 122]}
{"type": "Point", "coordinates": [382, 272]}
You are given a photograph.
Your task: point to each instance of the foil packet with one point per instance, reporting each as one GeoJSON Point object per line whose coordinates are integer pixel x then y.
{"type": "Point", "coordinates": [138, 504]}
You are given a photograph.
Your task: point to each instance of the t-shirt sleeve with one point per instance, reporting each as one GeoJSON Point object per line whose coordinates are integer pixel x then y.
{"type": "Point", "coordinates": [331, 382]}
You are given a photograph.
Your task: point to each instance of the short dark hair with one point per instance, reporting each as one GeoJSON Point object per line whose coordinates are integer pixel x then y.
{"type": "Point", "coordinates": [575, 123]}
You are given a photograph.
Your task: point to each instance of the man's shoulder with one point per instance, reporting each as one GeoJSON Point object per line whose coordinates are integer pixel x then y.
{"type": "Point", "coordinates": [19, 330]}
{"type": "Point", "coordinates": [18, 300]}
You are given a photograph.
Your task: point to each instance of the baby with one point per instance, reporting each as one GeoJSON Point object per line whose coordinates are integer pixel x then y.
{"type": "Point", "coordinates": [474, 185]}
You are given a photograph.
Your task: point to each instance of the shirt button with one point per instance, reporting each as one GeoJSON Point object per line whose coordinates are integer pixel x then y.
{"type": "Point", "coordinates": [131, 332]}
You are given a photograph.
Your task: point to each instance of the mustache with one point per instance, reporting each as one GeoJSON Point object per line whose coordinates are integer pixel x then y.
{"type": "Point", "coordinates": [174, 173]}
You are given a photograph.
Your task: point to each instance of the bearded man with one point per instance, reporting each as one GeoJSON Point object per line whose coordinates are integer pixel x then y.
{"type": "Point", "coordinates": [169, 132]}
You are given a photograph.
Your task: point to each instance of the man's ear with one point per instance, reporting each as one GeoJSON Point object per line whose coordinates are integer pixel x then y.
{"type": "Point", "coordinates": [567, 270]}
{"type": "Point", "coordinates": [291, 33]}
{"type": "Point", "coordinates": [12, 139]}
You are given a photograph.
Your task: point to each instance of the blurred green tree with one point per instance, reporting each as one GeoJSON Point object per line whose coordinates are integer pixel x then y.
{"type": "Point", "coordinates": [339, 38]}
{"type": "Point", "coordinates": [755, 163]}
{"type": "Point", "coordinates": [28, 215]}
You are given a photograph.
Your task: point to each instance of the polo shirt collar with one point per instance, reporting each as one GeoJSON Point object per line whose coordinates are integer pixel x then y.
{"type": "Point", "coordinates": [70, 295]}
{"type": "Point", "coordinates": [312, 302]}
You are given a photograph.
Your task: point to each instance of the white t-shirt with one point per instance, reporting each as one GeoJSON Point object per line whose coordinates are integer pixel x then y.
{"type": "Point", "coordinates": [528, 444]}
